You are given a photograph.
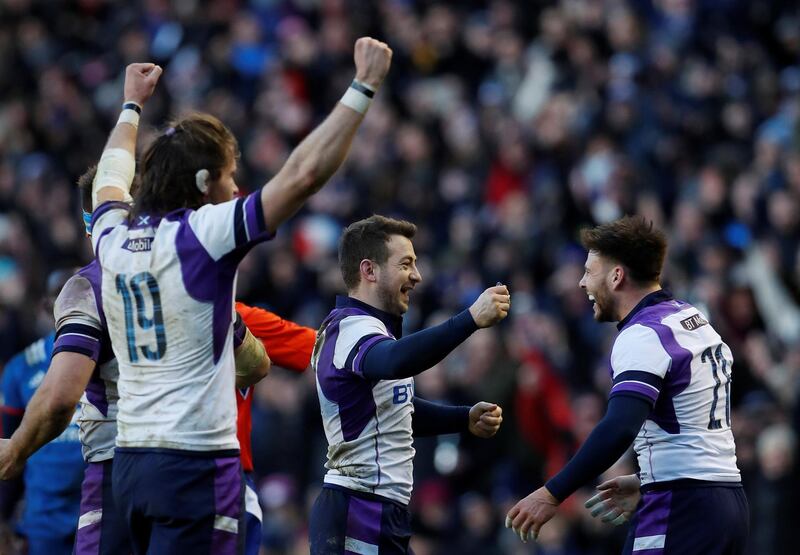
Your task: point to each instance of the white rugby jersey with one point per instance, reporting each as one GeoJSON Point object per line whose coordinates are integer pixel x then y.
{"type": "Point", "coordinates": [167, 292]}
{"type": "Point", "coordinates": [367, 423]}
{"type": "Point", "coordinates": [80, 328]}
{"type": "Point", "coordinates": [668, 353]}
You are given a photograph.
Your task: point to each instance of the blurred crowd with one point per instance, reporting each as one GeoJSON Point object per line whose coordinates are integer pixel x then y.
{"type": "Point", "coordinates": [504, 127]}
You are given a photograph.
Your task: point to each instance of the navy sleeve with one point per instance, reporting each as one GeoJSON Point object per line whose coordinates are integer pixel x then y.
{"type": "Point", "coordinates": [433, 419]}
{"type": "Point", "coordinates": [415, 353]}
{"type": "Point", "coordinates": [604, 446]}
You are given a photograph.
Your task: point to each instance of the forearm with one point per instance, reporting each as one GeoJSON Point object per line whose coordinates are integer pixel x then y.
{"type": "Point", "coordinates": [604, 446]}
{"type": "Point", "coordinates": [430, 419]}
{"type": "Point", "coordinates": [417, 352]}
{"type": "Point", "coordinates": [115, 164]}
{"type": "Point", "coordinates": [252, 362]}
{"type": "Point", "coordinates": [44, 420]}
{"type": "Point", "coordinates": [310, 165]}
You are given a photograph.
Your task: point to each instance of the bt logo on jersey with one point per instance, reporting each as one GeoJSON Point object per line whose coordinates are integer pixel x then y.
{"type": "Point", "coordinates": [402, 393]}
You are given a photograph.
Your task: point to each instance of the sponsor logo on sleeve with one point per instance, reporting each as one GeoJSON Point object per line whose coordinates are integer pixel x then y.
{"type": "Point", "coordinates": [693, 322]}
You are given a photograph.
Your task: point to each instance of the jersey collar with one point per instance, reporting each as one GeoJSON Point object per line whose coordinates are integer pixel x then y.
{"type": "Point", "coordinates": [393, 322]}
{"type": "Point", "coordinates": [656, 297]}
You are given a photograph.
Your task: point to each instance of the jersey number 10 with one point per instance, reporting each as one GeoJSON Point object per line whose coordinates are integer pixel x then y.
{"type": "Point", "coordinates": [719, 365]}
{"type": "Point", "coordinates": [132, 293]}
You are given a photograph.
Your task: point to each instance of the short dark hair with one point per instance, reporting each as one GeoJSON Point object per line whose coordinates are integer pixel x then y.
{"type": "Point", "coordinates": [85, 182]}
{"type": "Point", "coordinates": [631, 241]}
{"type": "Point", "coordinates": [168, 167]}
{"type": "Point", "coordinates": [85, 188]}
{"type": "Point", "coordinates": [367, 239]}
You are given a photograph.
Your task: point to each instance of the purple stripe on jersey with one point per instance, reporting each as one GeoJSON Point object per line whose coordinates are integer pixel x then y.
{"type": "Point", "coordinates": [254, 216]}
{"type": "Point", "coordinates": [206, 280]}
{"type": "Point", "coordinates": [636, 387]}
{"type": "Point", "coordinates": [675, 382]}
{"type": "Point", "coordinates": [106, 207]}
{"type": "Point", "coordinates": [96, 392]}
{"type": "Point", "coordinates": [78, 343]}
{"type": "Point", "coordinates": [363, 349]}
{"type": "Point", "coordinates": [653, 515]}
{"type": "Point", "coordinates": [351, 393]}
{"type": "Point", "coordinates": [93, 274]}
{"type": "Point", "coordinates": [87, 538]}
{"type": "Point", "coordinates": [228, 500]}
{"type": "Point", "coordinates": [364, 520]}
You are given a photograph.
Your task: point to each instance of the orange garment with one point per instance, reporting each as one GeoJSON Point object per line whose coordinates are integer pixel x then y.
{"type": "Point", "coordinates": [288, 345]}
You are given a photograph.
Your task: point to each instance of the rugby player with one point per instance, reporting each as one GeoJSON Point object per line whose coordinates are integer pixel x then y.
{"type": "Point", "coordinates": [364, 372]}
{"type": "Point", "coordinates": [50, 511]}
{"type": "Point", "coordinates": [168, 274]}
{"type": "Point", "coordinates": [670, 396]}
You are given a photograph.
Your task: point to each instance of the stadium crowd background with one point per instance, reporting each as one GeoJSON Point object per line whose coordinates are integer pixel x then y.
{"type": "Point", "coordinates": [503, 127]}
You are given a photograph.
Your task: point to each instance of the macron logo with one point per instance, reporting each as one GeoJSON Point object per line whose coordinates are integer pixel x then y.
{"type": "Point", "coordinates": [141, 244]}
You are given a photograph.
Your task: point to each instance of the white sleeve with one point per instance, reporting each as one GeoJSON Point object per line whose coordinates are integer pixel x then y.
{"type": "Point", "coordinates": [356, 335]}
{"type": "Point", "coordinates": [639, 362]}
{"type": "Point", "coordinates": [234, 225]}
{"type": "Point", "coordinates": [79, 328]}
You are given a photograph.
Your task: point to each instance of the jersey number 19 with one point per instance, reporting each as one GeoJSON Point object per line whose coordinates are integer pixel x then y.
{"type": "Point", "coordinates": [133, 293]}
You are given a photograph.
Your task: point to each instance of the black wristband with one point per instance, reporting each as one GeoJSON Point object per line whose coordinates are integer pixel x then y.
{"type": "Point", "coordinates": [132, 106]}
{"type": "Point", "coordinates": [362, 89]}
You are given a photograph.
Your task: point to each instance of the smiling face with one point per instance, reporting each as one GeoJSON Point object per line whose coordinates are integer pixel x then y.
{"type": "Point", "coordinates": [597, 281]}
{"type": "Point", "coordinates": [396, 277]}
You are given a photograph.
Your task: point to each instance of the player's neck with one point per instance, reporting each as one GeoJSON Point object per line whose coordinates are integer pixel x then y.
{"type": "Point", "coordinates": [629, 299]}
{"type": "Point", "coordinates": [366, 296]}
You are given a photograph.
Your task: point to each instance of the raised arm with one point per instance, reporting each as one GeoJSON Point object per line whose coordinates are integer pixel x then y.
{"type": "Point", "coordinates": [49, 412]}
{"type": "Point", "coordinates": [117, 164]}
{"type": "Point", "coordinates": [415, 353]}
{"type": "Point", "coordinates": [321, 153]}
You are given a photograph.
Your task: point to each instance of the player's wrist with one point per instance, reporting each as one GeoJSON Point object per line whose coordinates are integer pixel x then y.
{"type": "Point", "coordinates": [359, 95]}
{"type": "Point", "coordinates": [131, 112]}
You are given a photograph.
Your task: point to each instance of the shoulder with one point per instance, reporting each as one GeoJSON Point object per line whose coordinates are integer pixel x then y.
{"type": "Point", "coordinates": [638, 347]}
{"type": "Point", "coordinates": [77, 296]}
{"type": "Point", "coordinates": [357, 326]}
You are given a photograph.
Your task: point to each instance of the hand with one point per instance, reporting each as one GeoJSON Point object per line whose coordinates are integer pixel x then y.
{"type": "Point", "coordinates": [528, 516]}
{"type": "Point", "coordinates": [485, 419]}
{"type": "Point", "coordinates": [491, 307]}
{"type": "Point", "coordinates": [10, 467]}
{"type": "Point", "coordinates": [140, 81]}
{"type": "Point", "coordinates": [617, 499]}
{"type": "Point", "coordinates": [373, 59]}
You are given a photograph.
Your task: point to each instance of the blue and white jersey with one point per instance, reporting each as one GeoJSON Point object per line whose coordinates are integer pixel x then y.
{"type": "Point", "coordinates": [668, 354]}
{"type": "Point", "coordinates": [367, 422]}
{"type": "Point", "coordinates": [53, 474]}
{"type": "Point", "coordinates": [167, 293]}
{"type": "Point", "coordinates": [81, 328]}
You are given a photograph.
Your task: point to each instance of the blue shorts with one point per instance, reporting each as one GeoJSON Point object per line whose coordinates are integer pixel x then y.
{"type": "Point", "coordinates": [101, 528]}
{"type": "Point", "coordinates": [180, 501]}
{"type": "Point", "coordinates": [253, 518]}
{"type": "Point", "coordinates": [346, 521]}
{"type": "Point", "coordinates": [690, 518]}
{"type": "Point", "coordinates": [50, 546]}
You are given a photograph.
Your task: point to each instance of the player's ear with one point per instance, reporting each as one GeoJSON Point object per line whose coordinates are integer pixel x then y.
{"type": "Point", "coordinates": [617, 276]}
{"type": "Point", "coordinates": [367, 269]}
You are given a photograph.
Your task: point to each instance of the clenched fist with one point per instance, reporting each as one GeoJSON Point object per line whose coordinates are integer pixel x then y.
{"type": "Point", "coordinates": [491, 307]}
{"type": "Point", "coordinates": [373, 59]}
{"type": "Point", "coordinates": [140, 82]}
{"type": "Point", "coordinates": [485, 419]}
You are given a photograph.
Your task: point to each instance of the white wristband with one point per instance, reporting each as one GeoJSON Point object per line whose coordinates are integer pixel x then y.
{"type": "Point", "coordinates": [130, 114]}
{"type": "Point", "coordinates": [358, 97]}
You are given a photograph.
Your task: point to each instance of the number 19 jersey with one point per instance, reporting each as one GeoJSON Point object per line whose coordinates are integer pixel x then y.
{"type": "Point", "coordinates": [167, 291]}
{"type": "Point", "coordinates": [668, 354]}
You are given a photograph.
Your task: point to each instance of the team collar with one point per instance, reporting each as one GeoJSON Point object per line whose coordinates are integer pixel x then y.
{"type": "Point", "coordinates": [660, 296]}
{"type": "Point", "coordinates": [393, 322]}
